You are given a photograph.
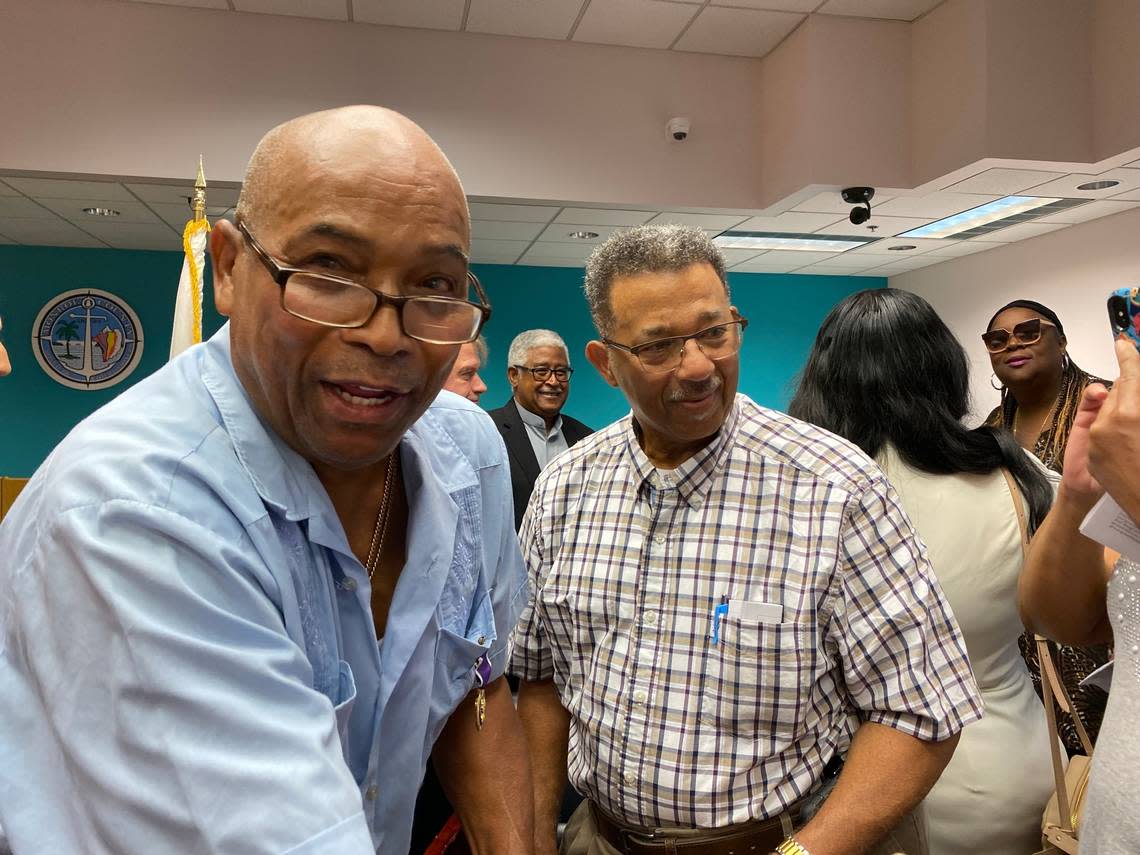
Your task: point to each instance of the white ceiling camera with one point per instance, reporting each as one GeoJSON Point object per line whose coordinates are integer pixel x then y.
{"type": "Point", "coordinates": [678, 128]}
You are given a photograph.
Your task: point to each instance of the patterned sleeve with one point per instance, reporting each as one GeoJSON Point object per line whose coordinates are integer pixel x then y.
{"type": "Point", "coordinates": [531, 659]}
{"type": "Point", "coordinates": [903, 657]}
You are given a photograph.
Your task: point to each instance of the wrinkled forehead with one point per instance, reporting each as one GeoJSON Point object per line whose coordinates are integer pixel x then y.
{"type": "Point", "coordinates": [547, 354]}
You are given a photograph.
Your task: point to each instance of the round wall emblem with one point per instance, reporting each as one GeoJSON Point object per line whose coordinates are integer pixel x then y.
{"type": "Point", "coordinates": [87, 339]}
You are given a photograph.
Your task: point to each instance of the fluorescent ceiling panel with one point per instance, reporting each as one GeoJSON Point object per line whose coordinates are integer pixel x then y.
{"type": "Point", "coordinates": [992, 216]}
{"type": "Point", "coordinates": [790, 241]}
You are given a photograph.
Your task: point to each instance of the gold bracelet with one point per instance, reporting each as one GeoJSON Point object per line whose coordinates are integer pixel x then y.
{"type": "Point", "coordinates": [791, 846]}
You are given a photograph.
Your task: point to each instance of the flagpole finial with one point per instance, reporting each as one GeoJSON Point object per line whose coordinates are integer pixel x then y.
{"type": "Point", "coordinates": [199, 201]}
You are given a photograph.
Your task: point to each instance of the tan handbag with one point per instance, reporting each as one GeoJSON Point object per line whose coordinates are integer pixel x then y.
{"type": "Point", "coordinates": [1060, 824]}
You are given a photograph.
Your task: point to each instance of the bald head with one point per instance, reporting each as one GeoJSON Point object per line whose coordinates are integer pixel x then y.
{"type": "Point", "coordinates": [331, 139]}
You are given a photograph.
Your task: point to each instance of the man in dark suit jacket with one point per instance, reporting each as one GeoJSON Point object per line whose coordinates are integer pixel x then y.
{"type": "Point", "coordinates": [532, 424]}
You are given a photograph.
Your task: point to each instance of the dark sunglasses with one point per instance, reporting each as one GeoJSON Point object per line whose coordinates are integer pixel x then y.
{"type": "Point", "coordinates": [1026, 332]}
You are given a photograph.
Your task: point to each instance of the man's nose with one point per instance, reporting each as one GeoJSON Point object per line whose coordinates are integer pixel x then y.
{"type": "Point", "coordinates": [694, 364]}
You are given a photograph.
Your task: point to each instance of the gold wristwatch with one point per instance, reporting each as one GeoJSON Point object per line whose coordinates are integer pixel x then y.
{"type": "Point", "coordinates": [791, 846]}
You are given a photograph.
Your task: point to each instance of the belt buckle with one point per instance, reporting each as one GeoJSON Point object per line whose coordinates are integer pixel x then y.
{"type": "Point", "coordinates": [639, 838]}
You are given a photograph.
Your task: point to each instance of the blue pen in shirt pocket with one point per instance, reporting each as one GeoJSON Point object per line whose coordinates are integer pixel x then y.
{"type": "Point", "coordinates": [721, 611]}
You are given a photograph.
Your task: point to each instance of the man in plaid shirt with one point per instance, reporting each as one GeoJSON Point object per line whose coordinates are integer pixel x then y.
{"type": "Point", "coordinates": [726, 602]}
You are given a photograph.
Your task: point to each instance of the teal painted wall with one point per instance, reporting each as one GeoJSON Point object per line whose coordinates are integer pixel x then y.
{"type": "Point", "coordinates": [36, 412]}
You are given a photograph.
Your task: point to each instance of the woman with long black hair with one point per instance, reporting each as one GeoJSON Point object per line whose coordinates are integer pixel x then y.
{"type": "Point", "coordinates": [886, 373]}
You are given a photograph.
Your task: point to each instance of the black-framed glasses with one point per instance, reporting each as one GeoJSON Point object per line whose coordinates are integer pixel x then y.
{"type": "Point", "coordinates": [333, 301]}
{"type": "Point", "coordinates": [1026, 332]}
{"type": "Point", "coordinates": [542, 373]}
{"type": "Point", "coordinates": [661, 355]}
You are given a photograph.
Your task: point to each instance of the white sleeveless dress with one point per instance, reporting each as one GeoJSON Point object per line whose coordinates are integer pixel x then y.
{"type": "Point", "coordinates": [991, 796]}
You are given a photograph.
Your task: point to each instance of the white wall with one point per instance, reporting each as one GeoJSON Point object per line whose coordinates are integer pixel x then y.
{"type": "Point", "coordinates": [1071, 271]}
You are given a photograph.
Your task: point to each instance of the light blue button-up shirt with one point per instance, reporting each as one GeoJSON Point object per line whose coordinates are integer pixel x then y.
{"type": "Point", "coordinates": [189, 662]}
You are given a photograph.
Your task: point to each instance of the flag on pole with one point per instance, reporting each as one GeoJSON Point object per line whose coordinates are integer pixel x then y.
{"type": "Point", "coordinates": [188, 303]}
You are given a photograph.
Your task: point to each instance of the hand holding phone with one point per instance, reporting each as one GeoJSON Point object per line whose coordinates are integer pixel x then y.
{"type": "Point", "coordinates": [1124, 314]}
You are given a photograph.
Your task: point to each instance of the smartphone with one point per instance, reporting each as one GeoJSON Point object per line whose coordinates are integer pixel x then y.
{"type": "Point", "coordinates": [1124, 314]}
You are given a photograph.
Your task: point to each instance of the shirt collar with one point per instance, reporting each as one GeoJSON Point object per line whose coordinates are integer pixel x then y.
{"type": "Point", "coordinates": [693, 478]}
{"type": "Point", "coordinates": [536, 421]}
{"type": "Point", "coordinates": [283, 478]}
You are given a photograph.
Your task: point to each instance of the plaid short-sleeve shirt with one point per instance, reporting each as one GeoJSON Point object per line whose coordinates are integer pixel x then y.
{"type": "Point", "coordinates": [719, 631]}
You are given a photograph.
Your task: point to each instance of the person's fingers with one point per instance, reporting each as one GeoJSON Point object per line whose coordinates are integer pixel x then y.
{"type": "Point", "coordinates": [1091, 403]}
{"type": "Point", "coordinates": [1128, 359]}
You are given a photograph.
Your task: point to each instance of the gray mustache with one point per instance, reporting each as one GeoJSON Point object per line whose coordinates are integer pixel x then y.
{"type": "Point", "coordinates": [694, 391]}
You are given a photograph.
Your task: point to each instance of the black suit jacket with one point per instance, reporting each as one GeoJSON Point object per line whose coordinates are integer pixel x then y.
{"type": "Point", "coordinates": [524, 465]}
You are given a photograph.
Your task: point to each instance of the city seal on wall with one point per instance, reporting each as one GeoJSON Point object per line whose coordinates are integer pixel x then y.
{"type": "Point", "coordinates": [87, 339]}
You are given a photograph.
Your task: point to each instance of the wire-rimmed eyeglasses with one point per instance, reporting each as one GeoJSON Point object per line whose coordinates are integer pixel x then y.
{"type": "Point", "coordinates": [662, 355]}
{"type": "Point", "coordinates": [333, 301]}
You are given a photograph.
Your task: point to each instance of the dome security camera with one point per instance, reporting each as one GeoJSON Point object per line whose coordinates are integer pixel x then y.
{"type": "Point", "coordinates": [858, 196]}
{"type": "Point", "coordinates": [678, 128]}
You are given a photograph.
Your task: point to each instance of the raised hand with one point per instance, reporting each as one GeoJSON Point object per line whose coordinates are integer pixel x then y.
{"type": "Point", "coordinates": [1113, 444]}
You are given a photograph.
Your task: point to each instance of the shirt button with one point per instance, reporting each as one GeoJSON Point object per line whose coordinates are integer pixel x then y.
{"type": "Point", "coordinates": [696, 504]}
{"type": "Point", "coordinates": [629, 778]}
{"type": "Point", "coordinates": [658, 538]}
{"type": "Point", "coordinates": [639, 696]}
{"type": "Point", "coordinates": [371, 793]}
{"type": "Point", "coordinates": [349, 584]}
{"type": "Point", "coordinates": [651, 618]}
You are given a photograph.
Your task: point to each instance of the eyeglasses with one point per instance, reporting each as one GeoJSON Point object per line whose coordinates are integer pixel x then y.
{"type": "Point", "coordinates": [665, 354]}
{"type": "Point", "coordinates": [1026, 332]}
{"type": "Point", "coordinates": [332, 301]}
{"type": "Point", "coordinates": [542, 373]}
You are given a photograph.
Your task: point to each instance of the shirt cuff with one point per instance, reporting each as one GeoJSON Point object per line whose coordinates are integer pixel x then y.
{"type": "Point", "coordinates": [348, 837]}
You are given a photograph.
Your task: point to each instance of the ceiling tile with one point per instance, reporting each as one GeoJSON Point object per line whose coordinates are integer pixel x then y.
{"type": "Point", "coordinates": [550, 19]}
{"type": "Point", "coordinates": [883, 247]}
{"type": "Point", "coordinates": [550, 262]}
{"type": "Point", "coordinates": [560, 233]}
{"type": "Point", "coordinates": [635, 23]}
{"type": "Point", "coordinates": [72, 209]}
{"type": "Point", "coordinates": [719, 222]}
{"type": "Point", "coordinates": [737, 256]}
{"type": "Point", "coordinates": [774, 5]}
{"type": "Point", "coordinates": [793, 259]}
{"type": "Point", "coordinates": [494, 230]}
{"type": "Point", "coordinates": [759, 266]}
{"type": "Point", "coordinates": [830, 202]}
{"type": "Point", "coordinates": [934, 206]}
{"type": "Point", "coordinates": [513, 248]}
{"type": "Point", "coordinates": [1022, 231]}
{"type": "Point", "coordinates": [4, 240]}
{"type": "Point", "coordinates": [494, 259]}
{"type": "Point", "coordinates": [137, 235]}
{"type": "Point", "coordinates": [603, 217]}
{"type": "Point", "coordinates": [512, 213]}
{"type": "Point", "coordinates": [955, 248]}
{"type": "Point", "coordinates": [5, 190]}
{"type": "Point", "coordinates": [1003, 182]}
{"type": "Point", "coordinates": [62, 188]}
{"type": "Point", "coordinates": [578, 252]}
{"type": "Point", "coordinates": [53, 232]}
{"type": "Point", "coordinates": [884, 226]}
{"type": "Point", "coordinates": [175, 194]}
{"type": "Point", "coordinates": [333, 9]}
{"type": "Point", "coordinates": [205, 4]}
{"type": "Point", "coordinates": [18, 206]}
{"type": "Point", "coordinates": [899, 10]}
{"type": "Point", "coordinates": [737, 32]}
{"type": "Point", "coordinates": [1067, 187]}
{"type": "Point", "coordinates": [789, 221]}
{"type": "Point", "coordinates": [1079, 214]}
{"type": "Point", "coordinates": [1133, 195]}
{"type": "Point", "coordinates": [425, 14]}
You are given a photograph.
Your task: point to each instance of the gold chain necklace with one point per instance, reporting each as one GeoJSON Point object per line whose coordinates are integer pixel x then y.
{"type": "Point", "coordinates": [376, 547]}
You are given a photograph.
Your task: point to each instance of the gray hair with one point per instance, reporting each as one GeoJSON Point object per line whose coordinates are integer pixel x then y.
{"type": "Point", "coordinates": [481, 350]}
{"type": "Point", "coordinates": [645, 249]}
{"type": "Point", "coordinates": [524, 341]}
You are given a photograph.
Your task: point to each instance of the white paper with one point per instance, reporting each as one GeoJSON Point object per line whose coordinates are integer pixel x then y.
{"type": "Point", "coordinates": [751, 610]}
{"type": "Point", "coordinates": [1101, 677]}
{"type": "Point", "coordinates": [1107, 523]}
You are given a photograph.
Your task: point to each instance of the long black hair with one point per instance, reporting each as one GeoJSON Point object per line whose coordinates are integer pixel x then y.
{"type": "Point", "coordinates": [885, 369]}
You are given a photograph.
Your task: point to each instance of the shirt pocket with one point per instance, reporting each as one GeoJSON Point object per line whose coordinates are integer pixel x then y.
{"type": "Point", "coordinates": [760, 676]}
{"type": "Point", "coordinates": [345, 701]}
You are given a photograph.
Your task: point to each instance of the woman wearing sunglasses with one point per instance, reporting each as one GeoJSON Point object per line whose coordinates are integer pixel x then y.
{"type": "Point", "coordinates": [1041, 388]}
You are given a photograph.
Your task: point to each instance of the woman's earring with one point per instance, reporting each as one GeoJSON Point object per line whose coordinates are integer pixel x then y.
{"type": "Point", "coordinates": [1065, 361]}
{"type": "Point", "coordinates": [998, 386]}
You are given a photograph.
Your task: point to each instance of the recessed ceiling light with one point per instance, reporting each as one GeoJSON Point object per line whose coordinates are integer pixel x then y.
{"type": "Point", "coordinates": [902, 247]}
{"type": "Point", "coordinates": [785, 240]}
{"type": "Point", "coordinates": [583, 235]}
{"type": "Point", "coordinates": [101, 212]}
{"type": "Point", "coordinates": [1097, 185]}
{"type": "Point", "coordinates": [992, 216]}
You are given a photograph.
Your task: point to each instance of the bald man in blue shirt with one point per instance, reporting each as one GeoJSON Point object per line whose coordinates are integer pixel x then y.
{"type": "Point", "coordinates": [246, 601]}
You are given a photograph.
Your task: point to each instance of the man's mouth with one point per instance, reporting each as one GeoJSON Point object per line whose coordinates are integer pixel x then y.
{"type": "Point", "coordinates": [360, 395]}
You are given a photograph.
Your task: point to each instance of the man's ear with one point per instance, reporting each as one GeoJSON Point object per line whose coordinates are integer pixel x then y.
{"type": "Point", "coordinates": [225, 241]}
{"type": "Point", "coordinates": [599, 356]}
{"type": "Point", "coordinates": [512, 376]}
